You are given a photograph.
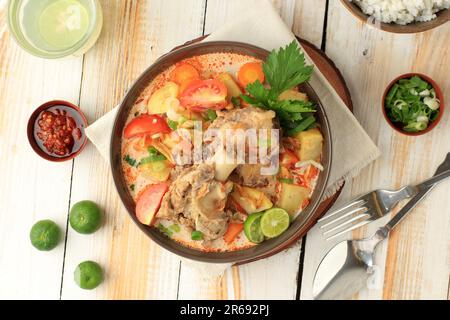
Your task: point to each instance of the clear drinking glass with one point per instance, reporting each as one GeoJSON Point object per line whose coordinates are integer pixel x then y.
{"type": "Point", "coordinates": [55, 28]}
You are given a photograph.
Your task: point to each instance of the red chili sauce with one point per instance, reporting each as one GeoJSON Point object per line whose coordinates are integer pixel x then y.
{"type": "Point", "coordinates": [58, 130]}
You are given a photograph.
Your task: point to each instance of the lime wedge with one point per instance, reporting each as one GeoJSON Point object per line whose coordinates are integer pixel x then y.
{"type": "Point", "coordinates": [64, 23]}
{"type": "Point", "coordinates": [252, 228]}
{"type": "Point", "coordinates": [274, 222]}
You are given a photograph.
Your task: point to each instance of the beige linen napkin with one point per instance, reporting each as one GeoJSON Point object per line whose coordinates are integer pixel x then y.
{"type": "Point", "coordinates": [263, 27]}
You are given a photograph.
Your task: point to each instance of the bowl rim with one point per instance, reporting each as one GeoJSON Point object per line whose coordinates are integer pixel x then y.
{"type": "Point", "coordinates": [443, 16]}
{"type": "Point", "coordinates": [31, 125]}
{"type": "Point", "coordinates": [241, 256]}
{"type": "Point", "coordinates": [439, 95]}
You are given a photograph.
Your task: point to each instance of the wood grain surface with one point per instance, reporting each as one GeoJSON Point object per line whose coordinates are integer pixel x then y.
{"type": "Point", "coordinates": [413, 264]}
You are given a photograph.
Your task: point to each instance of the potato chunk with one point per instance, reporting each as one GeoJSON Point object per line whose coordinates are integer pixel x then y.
{"type": "Point", "coordinates": [292, 94]}
{"type": "Point", "coordinates": [311, 142]}
{"type": "Point", "coordinates": [250, 199]}
{"type": "Point", "coordinates": [228, 81]}
{"type": "Point", "coordinates": [292, 197]}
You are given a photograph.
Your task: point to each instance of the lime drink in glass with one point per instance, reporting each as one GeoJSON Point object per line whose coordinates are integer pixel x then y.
{"type": "Point", "coordinates": [55, 28]}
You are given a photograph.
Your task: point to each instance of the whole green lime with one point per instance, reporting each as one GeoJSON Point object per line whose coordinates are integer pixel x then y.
{"type": "Point", "coordinates": [85, 217]}
{"type": "Point", "coordinates": [88, 275]}
{"type": "Point", "coordinates": [45, 235]}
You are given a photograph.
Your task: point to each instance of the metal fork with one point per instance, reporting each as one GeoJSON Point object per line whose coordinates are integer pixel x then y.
{"type": "Point", "coordinates": [367, 208]}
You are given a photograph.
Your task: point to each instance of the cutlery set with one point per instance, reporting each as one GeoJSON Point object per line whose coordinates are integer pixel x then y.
{"type": "Point", "coordinates": [356, 256]}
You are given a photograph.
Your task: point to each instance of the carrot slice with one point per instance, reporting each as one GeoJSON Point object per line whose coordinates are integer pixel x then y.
{"type": "Point", "coordinates": [249, 73]}
{"type": "Point", "coordinates": [313, 172]}
{"type": "Point", "coordinates": [232, 232]}
{"type": "Point", "coordinates": [183, 74]}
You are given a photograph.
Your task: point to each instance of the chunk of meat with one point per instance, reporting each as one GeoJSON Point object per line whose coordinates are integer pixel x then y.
{"type": "Point", "coordinates": [248, 118]}
{"type": "Point", "coordinates": [249, 175]}
{"type": "Point", "coordinates": [198, 201]}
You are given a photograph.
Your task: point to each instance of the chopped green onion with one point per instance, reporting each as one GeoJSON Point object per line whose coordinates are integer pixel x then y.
{"type": "Point", "coordinates": [285, 180]}
{"type": "Point", "coordinates": [412, 102]}
{"type": "Point", "coordinates": [175, 228]}
{"type": "Point", "coordinates": [172, 124]}
{"type": "Point", "coordinates": [132, 162]}
{"type": "Point", "coordinates": [154, 156]}
{"type": "Point", "coordinates": [165, 230]}
{"type": "Point", "coordinates": [304, 124]}
{"type": "Point", "coordinates": [416, 126]}
{"type": "Point", "coordinates": [211, 115]}
{"type": "Point", "coordinates": [196, 235]}
{"type": "Point", "coordinates": [236, 101]}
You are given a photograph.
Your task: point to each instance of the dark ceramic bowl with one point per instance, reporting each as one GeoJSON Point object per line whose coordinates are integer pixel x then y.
{"type": "Point", "coordinates": [300, 225]}
{"type": "Point", "coordinates": [443, 16]}
{"type": "Point", "coordinates": [80, 119]}
{"type": "Point", "coordinates": [398, 126]}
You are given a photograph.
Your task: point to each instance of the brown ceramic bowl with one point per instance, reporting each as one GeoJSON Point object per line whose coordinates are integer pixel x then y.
{"type": "Point", "coordinates": [73, 111]}
{"type": "Point", "coordinates": [397, 126]}
{"type": "Point", "coordinates": [443, 16]}
{"type": "Point", "coordinates": [300, 225]}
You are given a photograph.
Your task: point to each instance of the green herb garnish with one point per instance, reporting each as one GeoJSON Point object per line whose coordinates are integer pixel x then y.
{"type": "Point", "coordinates": [211, 115]}
{"type": "Point", "coordinates": [167, 231]}
{"type": "Point", "coordinates": [412, 103]}
{"type": "Point", "coordinates": [172, 124]}
{"type": "Point", "coordinates": [154, 156]}
{"type": "Point", "coordinates": [175, 228]}
{"type": "Point", "coordinates": [286, 180]}
{"type": "Point", "coordinates": [132, 187]}
{"type": "Point", "coordinates": [196, 235]}
{"type": "Point", "coordinates": [236, 101]}
{"type": "Point", "coordinates": [284, 69]}
{"type": "Point", "coordinates": [132, 162]}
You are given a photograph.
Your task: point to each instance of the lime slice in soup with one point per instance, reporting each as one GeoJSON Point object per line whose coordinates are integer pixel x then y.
{"type": "Point", "coordinates": [88, 275]}
{"type": "Point", "coordinates": [45, 235]}
{"type": "Point", "coordinates": [274, 222]}
{"type": "Point", "coordinates": [64, 23]}
{"type": "Point", "coordinates": [252, 228]}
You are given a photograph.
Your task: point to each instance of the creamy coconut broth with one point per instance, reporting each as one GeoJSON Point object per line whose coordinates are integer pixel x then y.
{"type": "Point", "coordinates": [205, 205]}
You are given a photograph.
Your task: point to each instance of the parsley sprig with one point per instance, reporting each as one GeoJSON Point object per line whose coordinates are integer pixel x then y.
{"type": "Point", "coordinates": [284, 69]}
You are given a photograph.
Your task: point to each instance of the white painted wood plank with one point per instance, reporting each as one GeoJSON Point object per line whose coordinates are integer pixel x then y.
{"type": "Point", "coordinates": [415, 261]}
{"type": "Point", "coordinates": [135, 33]}
{"type": "Point", "coordinates": [256, 280]}
{"type": "Point", "coordinates": [31, 188]}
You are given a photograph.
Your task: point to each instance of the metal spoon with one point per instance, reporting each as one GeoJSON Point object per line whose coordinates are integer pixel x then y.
{"type": "Point", "coordinates": [353, 260]}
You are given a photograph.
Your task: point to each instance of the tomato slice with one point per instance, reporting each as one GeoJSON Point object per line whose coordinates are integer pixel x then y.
{"type": "Point", "coordinates": [204, 94]}
{"type": "Point", "coordinates": [146, 125]}
{"type": "Point", "coordinates": [288, 158]}
{"type": "Point", "coordinates": [149, 202]}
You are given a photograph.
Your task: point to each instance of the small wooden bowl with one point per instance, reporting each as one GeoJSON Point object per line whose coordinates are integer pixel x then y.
{"type": "Point", "coordinates": [397, 126]}
{"type": "Point", "coordinates": [80, 119]}
{"type": "Point", "coordinates": [443, 16]}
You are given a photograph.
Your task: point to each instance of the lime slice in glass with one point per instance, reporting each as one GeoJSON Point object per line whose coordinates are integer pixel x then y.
{"type": "Point", "coordinates": [252, 228]}
{"type": "Point", "coordinates": [274, 222]}
{"type": "Point", "coordinates": [64, 23]}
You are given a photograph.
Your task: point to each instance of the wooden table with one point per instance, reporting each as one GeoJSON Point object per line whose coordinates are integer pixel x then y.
{"type": "Point", "coordinates": [414, 263]}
